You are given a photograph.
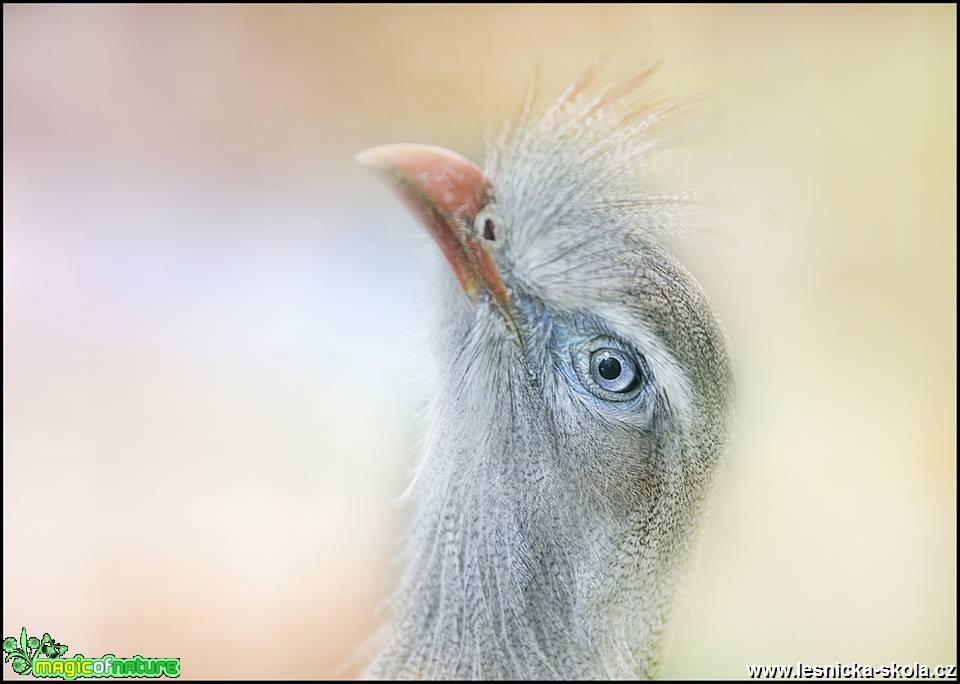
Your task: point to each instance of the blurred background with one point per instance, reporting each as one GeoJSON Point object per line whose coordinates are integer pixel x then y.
{"type": "Point", "coordinates": [212, 356]}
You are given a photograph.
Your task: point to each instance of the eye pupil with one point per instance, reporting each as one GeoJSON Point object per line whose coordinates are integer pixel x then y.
{"type": "Point", "coordinates": [609, 368]}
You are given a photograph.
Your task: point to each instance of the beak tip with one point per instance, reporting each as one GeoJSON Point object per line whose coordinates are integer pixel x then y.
{"type": "Point", "coordinates": [410, 157]}
{"type": "Point", "coordinates": [372, 157]}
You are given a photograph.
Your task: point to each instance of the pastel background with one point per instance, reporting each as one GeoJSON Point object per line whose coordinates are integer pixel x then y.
{"type": "Point", "coordinates": [212, 358]}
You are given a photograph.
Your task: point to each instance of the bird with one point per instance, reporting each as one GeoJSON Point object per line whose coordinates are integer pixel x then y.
{"type": "Point", "coordinates": [583, 406]}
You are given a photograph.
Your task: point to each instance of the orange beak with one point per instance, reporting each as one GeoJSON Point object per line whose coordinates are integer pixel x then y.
{"type": "Point", "coordinates": [445, 191]}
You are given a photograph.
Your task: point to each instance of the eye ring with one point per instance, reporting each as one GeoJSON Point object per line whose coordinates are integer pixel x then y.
{"type": "Point", "coordinates": [609, 371]}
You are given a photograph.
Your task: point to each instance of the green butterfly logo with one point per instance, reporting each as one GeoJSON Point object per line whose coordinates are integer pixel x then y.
{"type": "Point", "coordinates": [21, 655]}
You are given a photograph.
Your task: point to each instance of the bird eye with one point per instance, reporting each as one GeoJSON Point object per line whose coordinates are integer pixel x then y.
{"type": "Point", "coordinates": [613, 370]}
{"type": "Point", "coordinates": [608, 370]}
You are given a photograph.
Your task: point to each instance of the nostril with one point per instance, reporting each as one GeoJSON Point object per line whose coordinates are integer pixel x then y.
{"type": "Point", "coordinates": [488, 230]}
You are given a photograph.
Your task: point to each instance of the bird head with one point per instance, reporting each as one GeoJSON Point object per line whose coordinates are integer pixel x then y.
{"type": "Point", "coordinates": [583, 400]}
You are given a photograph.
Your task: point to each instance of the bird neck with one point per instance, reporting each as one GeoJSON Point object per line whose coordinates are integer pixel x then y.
{"type": "Point", "coordinates": [514, 573]}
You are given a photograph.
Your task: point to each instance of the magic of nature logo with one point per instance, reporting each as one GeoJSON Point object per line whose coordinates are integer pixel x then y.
{"type": "Point", "coordinates": [44, 657]}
